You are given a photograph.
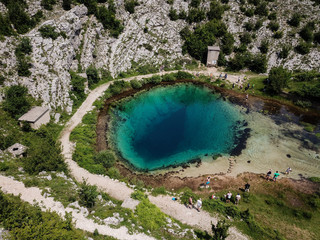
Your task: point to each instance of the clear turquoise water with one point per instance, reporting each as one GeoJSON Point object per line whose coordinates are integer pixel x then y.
{"type": "Point", "coordinates": [173, 125]}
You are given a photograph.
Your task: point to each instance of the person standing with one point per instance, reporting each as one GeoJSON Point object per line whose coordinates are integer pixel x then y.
{"type": "Point", "coordinates": [208, 182]}
{"type": "Point", "coordinates": [199, 204]}
{"type": "Point", "coordinates": [247, 187]}
{"type": "Point", "coordinates": [275, 176]}
{"type": "Point", "coordinates": [229, 195]}
{"type": "Point", "coordinates": [190, 203]}
{"type": "Point", "coordinates": [238, 197]}
{"type": "Point", "coordinates": [269, 174]}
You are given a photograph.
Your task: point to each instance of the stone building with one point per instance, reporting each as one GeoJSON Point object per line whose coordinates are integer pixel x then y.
{"type": "Point", "coordinates": [213, 55]}
{"type": "Point", "coordinates": [36, 117]}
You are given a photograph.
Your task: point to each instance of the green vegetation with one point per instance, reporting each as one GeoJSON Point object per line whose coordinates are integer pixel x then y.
{"type": "Point", "coordinates": [16, 102]}
{"type": "Point", "coordinates": [25, 221]}
{"type": "Point", "coordinates": [106, 158]}
{"type": "Point", "coordinates": [66, 4]}
{"type": "Point", "coordinates": [278, 77]}
{"type": "Point", "coordinates": [48, 4]}
{"type": "Point", "coordinates": [130, 5]}
{"type": "Point", "coordinates": [87, 194]}
{"type": "Point", "coordinates": [48, 31]}
{"type": "Point", "coordinates": [77, 94]}
{"type": "Point", "coordinates": [92, 76]}
{"type": "Point", "coordinates": [22, 51]}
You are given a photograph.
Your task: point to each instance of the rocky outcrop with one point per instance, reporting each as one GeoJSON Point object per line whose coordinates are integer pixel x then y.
{"type": "Point", "coordinates": [149, 37]}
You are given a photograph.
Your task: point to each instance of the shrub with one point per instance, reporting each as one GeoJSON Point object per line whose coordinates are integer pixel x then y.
{"type": "Point", "coordinates": [264, 47]}
{"type": "Point", "coordinates": [306, 33]}
{"type": "Point", "coordinates": [278, 35]}
{"type": "Point", "coordinates": [184, 75]}
{"type": "Point", "coordinates": [195, 3]}
{"type": "Point", "coordinates": [278, 77]}
{"type": "Point", "coordinates": [92, 75]}
{"type": "Point", "coordinates": [258, 24]}
{"type": "Point", "coordinates": [48, 4]}
{"type": "Point", "coordinates": [113, 173]}
{"type": "Point", "coordinates": [195, 15]}
{"type": "Point", "coordinates": [170, 2]}
{"type": "Point", "coordinates": [16, 102]}
{"type": "Point", "coordinates": [130, 5]}
{"type": "Point", "coordinates": [216, 10]}
{"type": "Point", "coordinates": [246, 38]}
{"type": "Point", "coordinates": [66, 4]}
{"type": "Point", "coordinates": [295, 20]}
{"type": "Point", "coordinates": [182, 15]}
{"type": "Point", "coordinates": [18, 17]}
{"type": "Point", "coordinates": [303, 48]}
{"type": "Point", "coordinates": [227, 42]}
{"type": "Point", "coordinates": [316, 38]}
{"type": "Point", "coordinates": [87, 194]}
{"type": "Point", "coordinates": [186, 195]}
{"type": "Point", "coordinates": [168, 78]}
{"type": "Point", "coordinates": [159, 191]}
{"type": "Point", "coordinates": [106, 158]}
{"type": "Point", "coordinates": [48, 31]}
{"type": "Point", "coordinates": [173, 14]}
{"type": "Point", "coordinates": [285, 50]}
{"type": "Point", "coordinates": [23, 68]}
{"type": "Point", "coordinates": [77, 91]}
{"type": "Point", "coordinates": [272, 16]}
{"type": "Point", "coordinates": [2, 79]}
{"type": "Point", "coordinates": [135, 84]}
{"type": "Point", "coordinates": [220, 230]}
{"type": "Point", "coordinates": [262, 9]}
{"type": "Point", "coordinates": [249, 12]}
{"type": "Point", "coordinates": [23, 48]}
{"type": "Point", "coordinates": [107, 17]}
{"type": "Point", "coordinates": [5, 26]}
{"type": "Point", "coordinates": [273, 26]}
{"type": "Point", "coordinates": [249, 26]}
{"type": "Point", "coordinates": [258, 63]}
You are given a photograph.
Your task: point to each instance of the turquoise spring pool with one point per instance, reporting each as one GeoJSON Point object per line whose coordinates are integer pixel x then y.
{"type": "Point", "coordinates": [173, 125]}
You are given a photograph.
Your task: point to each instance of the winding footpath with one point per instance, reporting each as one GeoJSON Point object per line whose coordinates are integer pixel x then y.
{"type": "Point", "coordinates": [114, 188]}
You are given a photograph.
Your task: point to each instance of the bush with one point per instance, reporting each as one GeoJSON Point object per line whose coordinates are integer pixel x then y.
{"type": "Point", "coordinates": [262, 9]}
{"type": "Point", "coordinates": [130, 5]}
{"type": "Point", "coordinates": [273, 26]}
{"type": "Point", "coordinates": [295, 20]}
{"type": "Point", "coordinates": [195, 3]}
{"type": "Point", "coordinates": [264, 47]}
{"type": "Point", "coordinates": [184, 75]}
{"type": "Point", "coordinates": [246, 38]}
{"type": "Point", "coordinates": [48, 31]}
{"type": "Point", "coordinates": [258, 63]}
{"type": "Point", "coordinates": [278, 35]}
{"type": "Point", "coordinates": [173, 14]}
{"type": "Point", "coordinates": [168, 78]}
{"type": "Point", "coordinates": [77, 91]}
{"type": "Point", "coordinates": [135, 84]}
{"type": "Point", "coordinates": [278, 77]}
{"type": "Point", "coordinates": [87, 194]}
{"type": "Point", "coordinates": [258, 25]}
{"type": "Point", "coordinates": [92, 75]}
{"type": "Point", "coordinates": [23, 48]}
{"type": "Point", "coordinates": [183, 15]}
{"type": "Point", "coordinates": [105, 158]}
{"type": "Point", "coordinates": [249, 12]}
{"type": "Point", "coordinates": [227, 42]}
{"type": "Point", "coordinates": [159, 191]}
{"type": "Point", "coordinates": [48, 4]}
{"type": "Point", "coordinates": [5, 26]}
{"type": "Point", "coordinates": [107, 17]}
{"type": "Point", "coordinates": [249, 26]}
{"type": "Point", "coordinates": [18, 17]}
{"type": "Point", "coordinates": [303, 48]}
{"type": "Point", "coordinates": [285, 50]}
{"type": "Point", "coordinates": [113, 173]}
{"type": "Point", "coordinates": [216, 10]}
{"type": "Point", "coordinates": [66, 4]}
{"type": "Point", "coordinates": [195, 15]}
{"type": "Point", "coordinates": [272, 16]}
{"type": "Point", "coordinates": [186, 195]}
{"type": "Point", "coordinates": [2, 79]}
{"type": "Point", "coordinates": [16, 102]}
{"type": "Point", "coordinates": [306, 33]}
{"type": "Point", "coordinates": [23, 68]}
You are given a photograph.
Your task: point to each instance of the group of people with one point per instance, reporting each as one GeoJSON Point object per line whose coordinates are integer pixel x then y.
{"type": "Point", "coordinates": [276, 174]}
{"type": "Point", "coordinates": [197, 206]}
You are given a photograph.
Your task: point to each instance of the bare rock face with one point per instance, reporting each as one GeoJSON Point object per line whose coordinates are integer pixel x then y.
{"type": "Point", "coordinates": [149, 37]}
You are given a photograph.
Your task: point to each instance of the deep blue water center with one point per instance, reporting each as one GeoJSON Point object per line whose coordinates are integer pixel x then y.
{"type": "Point", "coordinates": [172, 125]}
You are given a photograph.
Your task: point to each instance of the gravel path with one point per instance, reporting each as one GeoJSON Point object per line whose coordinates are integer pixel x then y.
{"type": "Point", "coordinates": [114, 188]}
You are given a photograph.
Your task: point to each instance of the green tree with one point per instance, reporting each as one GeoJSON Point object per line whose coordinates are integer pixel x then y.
{"type": "Point", "coordinates": [258, 63]}
{"type": "Point", "coordinates": [5, 26]}
{"type": "Point", "coordinates": [285, 50]}
{"type": "Point", "coordinates": [48, 31]}
{"type": "Point", "coordinates": [130, 5]}
{"type": "Point", "coordinates": [23, 67]}
{"type": "Point", "coordinates": [24, 47]}
{"type": "Point", "coordinates": [66, 4]}
{"type": "Point", "coordinates": [48, 4]}
{"type": "Point", "coordinates": [220, 230]}
{"type": "Point", "coordinates": [264, 46]}
{"type": "Point", "coordinates": [87, 194]}
{"type": "Point", "coordinates": [216, 10]}
{"type": "Point", "coordinates": [227, 43]}
{"type": "Point", "coordinates": [106, 158]}
{"type": "Point", "coordinates": [173, 14]}
{"type": "Point", "coordinates": [44, 154]}
{"type": "Point", "coordinates": [135, 84]}
{"type": "Point", "coordinates": [92, 75]}
{"type": "Point", "coordinates": [279, 78]}
{"type": "Point", "coordinates": [16, 102]}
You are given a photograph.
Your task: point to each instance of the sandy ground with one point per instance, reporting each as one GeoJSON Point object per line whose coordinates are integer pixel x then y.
{"type": "Point", "coordinates": [115, 188]}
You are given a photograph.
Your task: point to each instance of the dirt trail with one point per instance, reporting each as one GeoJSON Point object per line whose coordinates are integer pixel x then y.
{"type": "Point", "coordinates": [115, 188]}
{"type": "Point", "coordinates": [33, 194]}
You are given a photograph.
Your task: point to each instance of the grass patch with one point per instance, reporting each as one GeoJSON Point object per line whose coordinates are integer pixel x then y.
{"type": "Point", "coordinates": [308, 127]}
